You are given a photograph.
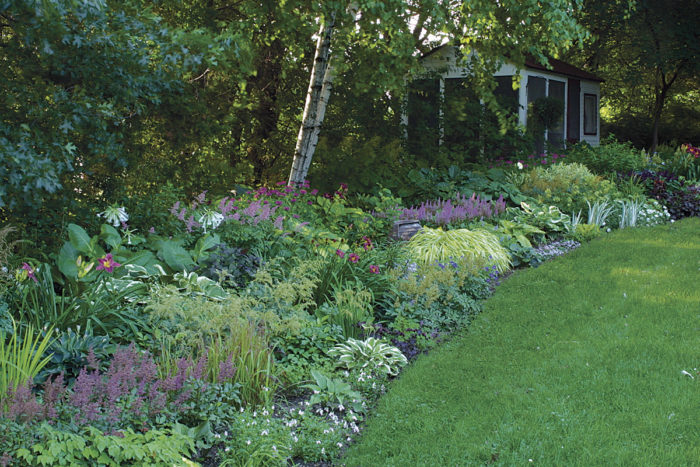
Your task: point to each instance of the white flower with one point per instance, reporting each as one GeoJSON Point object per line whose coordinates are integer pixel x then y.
{"type": "Point", "coordinates": [211, 219]}
{"type": "Point", "coordinates": [114, 215]}
{"type": "Point", "coordinates": [264, 433]}
{"type": "Point", "coordinates": [248, 442]}
{"type": "Point", "coordinates": [520, 166]}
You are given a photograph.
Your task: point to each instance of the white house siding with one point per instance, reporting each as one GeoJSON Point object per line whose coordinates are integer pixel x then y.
{"type": "Point", "coordinates": [591, 87]}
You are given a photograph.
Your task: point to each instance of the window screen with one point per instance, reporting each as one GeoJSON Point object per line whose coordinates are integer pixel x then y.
{"type": "Point", "coordinates": [555, 134]}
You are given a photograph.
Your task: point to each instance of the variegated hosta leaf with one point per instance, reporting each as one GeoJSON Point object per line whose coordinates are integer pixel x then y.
{"type": "Point", "coordinates": [371, 354]}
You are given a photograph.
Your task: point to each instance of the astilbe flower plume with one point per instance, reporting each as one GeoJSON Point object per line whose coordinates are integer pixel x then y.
{"type": "Point", "coordinates": [459, 209]}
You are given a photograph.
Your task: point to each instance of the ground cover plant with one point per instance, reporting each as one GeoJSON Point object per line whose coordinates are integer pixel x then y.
{"type": "Point", "coordinates": [585, 360]}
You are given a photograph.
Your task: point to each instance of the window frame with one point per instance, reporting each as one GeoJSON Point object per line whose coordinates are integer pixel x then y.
{"type": "Point", "coordinates": [588, 96]}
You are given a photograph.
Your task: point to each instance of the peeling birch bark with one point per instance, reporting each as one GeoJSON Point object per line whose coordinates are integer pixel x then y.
{"type": "Point", "coordinates": [315, 106]}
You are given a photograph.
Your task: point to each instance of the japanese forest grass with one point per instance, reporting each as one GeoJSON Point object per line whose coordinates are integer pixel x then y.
{"type": "Point", "coordinates": [577, 362]}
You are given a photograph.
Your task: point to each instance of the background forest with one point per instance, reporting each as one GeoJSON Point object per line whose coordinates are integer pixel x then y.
{"type": "Point", "coordinates": [109, 101]}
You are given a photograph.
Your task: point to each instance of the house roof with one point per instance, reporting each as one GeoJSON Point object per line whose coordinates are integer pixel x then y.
{"type": "Point", "coordinates": [555, 66]}
{"type": "Point", "coordinates": [563, 68]}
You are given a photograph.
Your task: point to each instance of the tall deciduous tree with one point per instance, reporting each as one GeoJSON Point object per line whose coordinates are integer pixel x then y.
{"type": "Point", "coordinates": [648, 51]}
{"type": "Point", "coordinates": [399, 29]}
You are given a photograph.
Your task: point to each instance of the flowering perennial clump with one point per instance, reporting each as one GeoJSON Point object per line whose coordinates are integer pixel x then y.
{"type": "Point", "coordinates": [461, 208]}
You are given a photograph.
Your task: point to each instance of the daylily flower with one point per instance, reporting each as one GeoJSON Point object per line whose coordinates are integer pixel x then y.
{"type": "Point", "coordinates": [107, 263]}
{"type": "Point", "coordinates": [340, 253]}
{"type": "Point", "coordinates": [353, 258]}
{"type": "Point", "coordinates": [26, 271]}
{"type": "Point", "coordinates": [374, 269]}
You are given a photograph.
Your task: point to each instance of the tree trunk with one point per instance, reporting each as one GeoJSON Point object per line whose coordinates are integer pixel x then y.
{"type": "Point", "coordinates": [315, 107]}
{"type": "Point", "coordinates": [663, 85]}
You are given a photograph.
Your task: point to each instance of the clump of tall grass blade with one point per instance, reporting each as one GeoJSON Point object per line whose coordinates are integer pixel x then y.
{"type": "Point", "coordinates": [477, 247]}
{"type": "Point", "coordinates": [21, 358]}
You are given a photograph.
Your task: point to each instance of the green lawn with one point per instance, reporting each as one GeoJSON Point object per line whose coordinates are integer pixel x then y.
{"type": "Point", "coordinates": [577, 362]}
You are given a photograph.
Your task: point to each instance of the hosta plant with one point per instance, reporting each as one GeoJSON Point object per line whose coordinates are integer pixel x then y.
{"type": "Point", "coordinates": [477, 247]}
{"type": "Point", "coordinates": [333, 391]}
{"type": "Point", "coordinates": [370, 354]}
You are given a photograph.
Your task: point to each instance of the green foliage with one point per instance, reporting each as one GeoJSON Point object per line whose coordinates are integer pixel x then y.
{"type": "Point", "coordinates": [371, 355]}
{"type": "Point", "coordinates": [102, 305]}
{"type": "Point", "coordinates": [225, 331]}
{"type": "Point", "coordinates": [441, 296]}
{"type": "Point", "coordinates": [99, 72]}
{"type": "Point", "coordinates": [425, 184]}
{"type": "Point", "coordinates": [350, 305]}
{"type": "Point", "coordinates": [257, 439]}
{"type": "Point", "coordinates": [299, 349]}
{"type": "Point", "coordinates": [333, 392]}
{"type": "Point", "coordinates": [69, 354]}
{"type": "Point", "coordinates": [567, 186]}
{"type": "Point", "coordinates": [681, 161]}
{"type": "Point", "coordinates": [21, 359]}
{"type": "Point", "coordinates": [91, 447]}
{"type": "Point", "coordinates": [478, 248]}
{"type": "Point", "coordinates": [586, 232]}
{"type": "Point", "coordinates": [610, 157]}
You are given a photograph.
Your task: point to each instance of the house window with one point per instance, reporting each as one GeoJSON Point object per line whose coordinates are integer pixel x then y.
{"type": "Point", "coordinates": [555, 130]}
{"type": "Point", "coordinates": [590, 114]}
{"type": "Point", "coordinates": [546, 108]}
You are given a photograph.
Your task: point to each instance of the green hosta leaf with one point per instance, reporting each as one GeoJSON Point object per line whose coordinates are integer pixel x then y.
{"type": "Point", "coordinates": [205, 243]}
{"type": "Point", "coordinates": [79, 239]}
{"type": "Point", "coordinates": [67, 258]}
{"type": "Point", "coordinates": [110, 236]}
{"type": "Point", "coordinates": [175, 256]}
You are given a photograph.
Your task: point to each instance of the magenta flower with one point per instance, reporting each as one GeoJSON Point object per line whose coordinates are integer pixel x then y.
{"type": "Point", "coordinates": [340, 253]}
{"type": "Point", "coordinates": [353, 258]}
{"type": "Point", "coordinates": [30, 271]}
{"type": "Point", "coordinates": [374, 269]}
{"type": "Point", "coordinates": [107, 263]}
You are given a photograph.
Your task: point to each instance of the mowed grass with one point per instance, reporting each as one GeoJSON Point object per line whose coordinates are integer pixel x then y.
{"type": "Point", "coordinates": [577, 362]}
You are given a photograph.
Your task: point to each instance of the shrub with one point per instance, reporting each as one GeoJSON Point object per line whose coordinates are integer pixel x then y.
{"type": "Point", "coordinates": [567, 186]}
{"type": "Point", "coordinates": [479, 247]}
{"type": "Point", "coordinates": [610, 157]}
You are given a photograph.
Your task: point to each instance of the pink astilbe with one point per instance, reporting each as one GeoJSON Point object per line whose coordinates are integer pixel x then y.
{"type": "Point", "coordinates": [461, 208]}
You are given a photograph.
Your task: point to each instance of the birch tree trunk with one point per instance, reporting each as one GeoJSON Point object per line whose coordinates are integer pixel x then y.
{"type": "Point", "coordinates": [315, 107]}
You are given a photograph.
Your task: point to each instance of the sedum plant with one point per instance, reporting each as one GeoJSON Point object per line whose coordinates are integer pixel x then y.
{"type": "Point", "coordinates": [370, 354]}
{"type": "Point", "coordinates": [478, 247]}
